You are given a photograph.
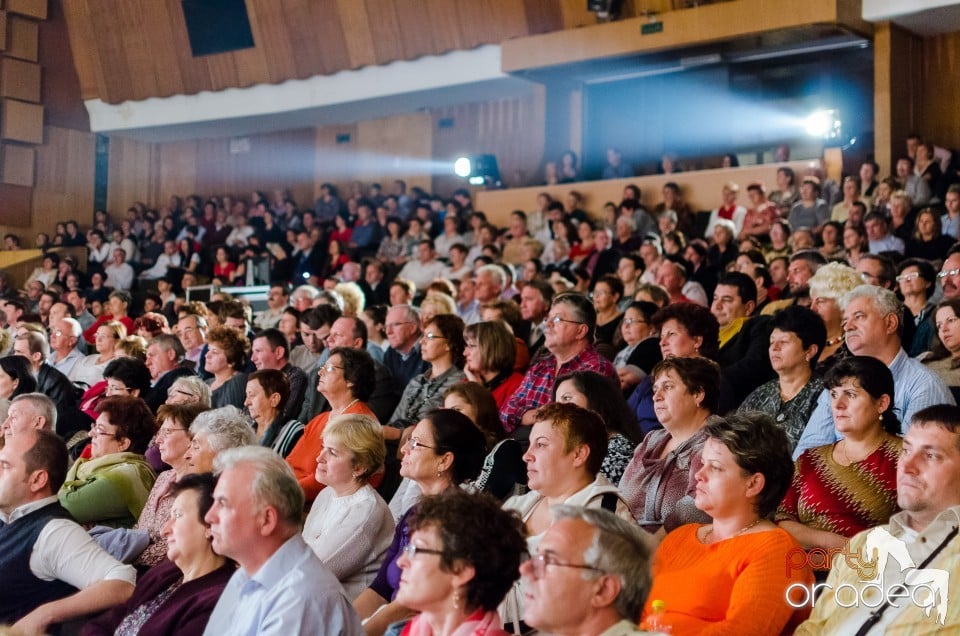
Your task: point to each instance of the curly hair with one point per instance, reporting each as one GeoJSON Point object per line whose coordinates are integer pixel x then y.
{"type": "Point", "coordinates": [698, 321]}
{"type": "Point", "coordinates": [232, 343]}
{"type": "Point", "coordinates": [133, 420]}
{"type": "Point", "coordinates": [475, 531]}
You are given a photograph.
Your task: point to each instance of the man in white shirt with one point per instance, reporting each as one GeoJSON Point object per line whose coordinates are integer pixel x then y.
{"type": "Point", "coordinates": [426, 268]}
{"type": "Point", "coordinates": [46, 556]}
{"type": "Point", "coordinates": [64, 336]}
{"type": "Point", "coordinates": [278, 299]}
{"type": "Point", "coordinates": [169, 258]}
{"type": "Point", "coordinates": [261, 532]}
{"type": "Point", "coordinates": [119, 273]}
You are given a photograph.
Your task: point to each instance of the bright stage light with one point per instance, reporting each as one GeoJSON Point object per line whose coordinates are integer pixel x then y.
{"type": "Point", "coordinates": [462, 167]}
{"type": "Point", "coordinates": [825, 124]}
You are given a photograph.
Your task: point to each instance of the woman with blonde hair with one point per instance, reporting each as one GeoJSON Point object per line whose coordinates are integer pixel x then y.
{"type": "Point", "coordinates": [827, 286]}
{"type": "Point", "coordinates": [435, 304]}
{"type": "Point", "coordinates": [89, 370]}
{"type": "Point", "coordinates": [353, 298]}
{"type": "Point", "coordinates": [350, 526]}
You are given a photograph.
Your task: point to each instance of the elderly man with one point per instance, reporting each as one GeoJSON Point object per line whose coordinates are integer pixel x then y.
{"type": "Point", "coordinates": [64, 336]}
{"type": "Point", "coordinates": [569, 330]}
{"type": "Point", "coordinates": [165, 355]}
{"type": "Point", "coordinates": [278, 298]}
{"type": "Point", "coordinates": [351, 332]}
{"type": "Point", "coordinates": [672, 276]}
{"type": "Point", "coordinates": [47, 557]}
{"type": "Point", "coordinates": [949, 275]}
{"type": "Point", "coordinates": [33, 346]}
{"type": "Point", "coordinates": [271, 350]}
{"type": "Point", "coordinates": [489, 283]}
{"type": "Point", "coordinates": [303, 297]}
{"type": "Point", "coordinates": [590, 575]}
{"type": "Point", "coordinates": [192, 331]}
{"type": "Point", "coordinates": [744, 336]}
{"type": "Point", "coordinates": [871, 325]}
{"type": "Point", "coordinates": [29, 411]}
{"type": "Point", "coordinates": [928, 494]}
{"type": "Point", "coordinates": [402, 358]}
{"type": "Point", "coordinates": [280, 586]}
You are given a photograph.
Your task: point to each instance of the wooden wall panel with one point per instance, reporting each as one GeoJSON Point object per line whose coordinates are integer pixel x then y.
{"type": "Point", "coordinates": [134, 49]}
{"type": "Point", "coordinates": [399, 147]}
{"type": "Point", "coordinates": [940, 90]}
{"type": "Point", "coordinates": [133, 174]}
{"type": "Point", "coordinates": [512, 129]}
{"type": "Point", "coordinates": [898, 86]}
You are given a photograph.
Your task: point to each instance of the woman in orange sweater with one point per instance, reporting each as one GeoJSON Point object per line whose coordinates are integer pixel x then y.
{"type": "Point", "coordinates": [739, 563]}
{"type": "Point", "coordinates": [347, 380]}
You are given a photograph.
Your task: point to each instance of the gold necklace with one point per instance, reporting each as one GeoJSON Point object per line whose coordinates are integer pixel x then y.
{"type": "Point", "coordinates": [846, 457]}
{"type": "Point", "coordinates": [709, 531]}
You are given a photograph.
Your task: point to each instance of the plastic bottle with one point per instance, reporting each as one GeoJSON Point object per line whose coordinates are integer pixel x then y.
{"type": "Point", "coordinates": [655, 622]}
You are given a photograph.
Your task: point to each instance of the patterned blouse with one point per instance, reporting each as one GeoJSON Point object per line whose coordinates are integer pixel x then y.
{"type": "Point", "coordinates": [155, 513]}
{"type": "Point", "coordinates": [791, 415]}
{"type": "Point", "coordinates": [619, 453]}
{"type": "Point", "coordinates": [841, 499]}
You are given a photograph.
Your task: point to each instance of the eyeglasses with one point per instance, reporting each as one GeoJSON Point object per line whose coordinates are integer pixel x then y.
{"type": "Point", "coordinates": [950, 272]}
{"type": "Point", "coordinates": [539, 562]}
{"type": "Point", "coordinates": [905, 277]}
{"type": "Point", "coordinates": [116, 388]}
{"type": "Point", "coordinates": [173, 391]}
{"type": "Point", "coordinates": [328, 368]}
{"type": "Point", "coordinates": [631, 321]}
{"type": "Point", "coordinates": [99, 429]}
{"type": "Point", "coordinates": [414, 444]}
{"type": "Point", "coordinates": [432, 336]}
{"type": "Point", "coordinates": [556, 320]}
{"type": "Point", "coordinates": [165, 432]}
{"type": "Point", "coordinates": [869, 278]}
{"type": "Point", "coordinates": [410, 551]}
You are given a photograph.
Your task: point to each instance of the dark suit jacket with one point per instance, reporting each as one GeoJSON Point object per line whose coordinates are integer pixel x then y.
{"type": "Point", "coordinates": [745, 360]}
{"type": "Point", "coordinates": [607, 263]}
{"type": "Point", "coordinates": [157, 394]}
{"type": "Point", "coordinates": [382, 401]}
{"type": "Point", "coordinates": [58, 388]}
{"type": "Point", "coordinates": [378, 296]}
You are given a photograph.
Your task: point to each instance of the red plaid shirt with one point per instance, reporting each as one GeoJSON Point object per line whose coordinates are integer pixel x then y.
{"type": "Point", "coordinates": [539, 382]}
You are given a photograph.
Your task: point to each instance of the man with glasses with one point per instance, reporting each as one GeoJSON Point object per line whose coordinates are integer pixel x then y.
{"type": "Point", "coordinates": [64, 336]}
{"type": "Point", "coordinates": [949, 275]}
{"type": "Point", "coordinates": [192, 331]}
{"type": "Point", "coordinates": [590, 575]}
{"type": "Point", "coordinates": [568, 340]}
{"type": "Point", "coordinates": [402, 358]}
{"type": "Point", "coordinates": [871, 325]}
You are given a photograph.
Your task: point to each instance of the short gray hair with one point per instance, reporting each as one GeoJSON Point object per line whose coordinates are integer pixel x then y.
{"type": "Point", "coordinates": [619, 549]}
{"type": "Point", "coordinates": [885, 300]}
{"type": "Point", "coordinates": [410, 313]}
{"type": "Point", "coordinates": [224, 428]}
{"type": "Point", "coordinates": [75, 329]}
{"type": "Point", "coordinates": [41, 405]}
{"type": "Point", "coordinates": [495, 272]}
{"type": "Point", "coordinates": [196, 385]}
{"type": "Point", "coordinates": [274, 484]}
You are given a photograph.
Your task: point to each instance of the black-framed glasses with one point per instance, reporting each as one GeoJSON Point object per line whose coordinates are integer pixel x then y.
{"type": "Point", "coordinates": [539, 562]}
{"type": "Point", "coordinates": [410, 551]}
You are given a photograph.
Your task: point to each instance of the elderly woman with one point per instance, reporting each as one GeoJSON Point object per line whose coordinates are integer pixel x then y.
{"type": "Point", "coordinates": [90, 369]}
{"type": "Point", "coordinates": [944, 356]}
{"type": "Point", "coordinates": [189, 389]}
{"type": "Point", "coordinates": [917, 280]}
{"type": "Point", "coordinates": [178, 595]}
{"type": "Point", "coordinates": [827, 287]}
{"type": "Point", "coordinates": [267, 393]}
{"type": "Point", "coordinates": [346, 381]}
{"type": "Point", "coordinates": [463, 557]}
{"type": "Point", "coordinates": [797, 338]}
{"type": "Point", "coordinates": [635, 361]}
{"type": "Point", "coordinates": [111, 487]}
{"type": "Point", "coordinates": [844, 488]}
{"type": "Point", "coordinates": [225, 359]}
{"type": "Point", "coordinates": [444, 450]}
{"type": "Point", "coordinates": [597, 393]}
{"type": "Point", "coordinates": [746, 470]}
{"type": "Point", "coordinates": [441, 346]}
{"type": "Point", "coordinates": [214, 431]}
{"type": "Point", "coordinates": [686, 331]}
{"type": "Point", "coordinates": [173, 441]}
{"type": "Point", "coordinates": [658, 482]}
{"type": "Point", "coordinates": [490, 353]}
{"type": "Point", "coordinates": [350, 526]}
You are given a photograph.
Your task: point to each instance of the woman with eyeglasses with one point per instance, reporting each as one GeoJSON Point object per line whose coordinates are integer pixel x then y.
{"type": "Point", "coordinates": [463, 557]}
{"type": "Point", "coordinates": [111, 487]}
{"type": "Point", "coordinates": [189, 389]}
{"type": "Point", "coordinates": [441, 346]}
{"type": "Point", "coordinates": [642, 351]}
{"type": "Point", "coordinates": [444, 450]}
{"type": "Point", "coordinates": [350, 527]}
{"type": "Point", "coordinates": [347, 382]}
{"type": "Point", "coordinates": [490, 353]}
{"type": "Point", "coordinates": [215, 431]}
{"type": "Point", "coordinates": [173, 440]}
{"type": "Point", "coordinates": [917, 281]}
{"type": "Point", "coordinates": [225, 359]}
{"type": "Point", "coordinates": [178, 595]}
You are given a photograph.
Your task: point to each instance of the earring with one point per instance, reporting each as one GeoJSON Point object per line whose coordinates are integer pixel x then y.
{"type": "Point", "coordinates": [456, 599]}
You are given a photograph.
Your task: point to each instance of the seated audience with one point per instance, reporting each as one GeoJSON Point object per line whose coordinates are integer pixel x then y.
{"type": "Point", "coordinates": [490, 353]}
{"type": "Point", "coordinates": [178, 595]}
{"type": "Point", "coordinates": [350, 526]}
{"type": "Point", "coordinates": [267, 393]}
{"type": "Point", "coordinates": [587, 545]}
{"type": "Point", "coordinates": [606, 296]}
{"type": "Point", "coordinates": [945, 350]}
{"type": "Point", "coordinates": [255, 520]}
{"type": "Point", "coordinates": [89, 370]}
{"type": "Point", "coordinates": [841, 489]}
{"type": "Point", "coordinates": [225, 359]}
{"type": "Point", "coordinates": [729, 576]}
{"type": "Point", "coordinates": [214, 431]}
{"type": "Point", "coordinates": [917, 281]}
{"type": "Point", "coordinates": [599, 394]}
{"type": "Point", "coordinates": [53, 571]}
{"type": "Point", "coordinates": [928, 494]}
{"type": "Point", "coordinates": [111, 487]}
{"type": "Point", "coordinates": [796, 341]}
{"type": "Point", "coordinates": [744, 335]}
{"type": "Point", "coordinates": [479, 548]}
{"type": "Point", "coordinates": [444, 450]}
{"type": "Point", "coordinates": [657, 484]}
{"type": "Point", "coordinates": [831, 282]}
{"type": "Point", "coordinates": [346, 381]}
{"type": "Point", "coordinates": [189, 389]}
{"type": "Point", "coordinates": [642, 351]}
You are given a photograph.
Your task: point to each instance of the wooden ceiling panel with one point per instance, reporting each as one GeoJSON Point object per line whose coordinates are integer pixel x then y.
{"type": "Point", "coordinates": [134, 49]}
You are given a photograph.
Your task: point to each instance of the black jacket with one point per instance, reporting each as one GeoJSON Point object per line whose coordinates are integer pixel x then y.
{"type": "Point", "coordinates": [745, 359]}
{"type": "Point", "coordinates": [58, 388]}
{"type": "Point", "coordinates": [157, 394]}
